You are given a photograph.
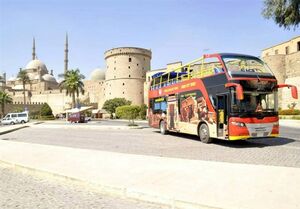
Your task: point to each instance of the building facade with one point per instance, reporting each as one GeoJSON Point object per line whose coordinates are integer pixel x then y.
{"type": "Point", "coordinates": [284, 61]}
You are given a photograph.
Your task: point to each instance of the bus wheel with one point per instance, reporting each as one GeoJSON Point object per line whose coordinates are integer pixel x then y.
{"type": "Point", "coordinates": [162, 127]}
{"type": "Point", "coordinates": [204, 134]}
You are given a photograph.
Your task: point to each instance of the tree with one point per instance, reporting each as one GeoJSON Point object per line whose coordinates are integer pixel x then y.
{"type": "Point", "coordinates": [285, 13]}
{"type": "Point", "coordinates": [46, 110]}
{"type": "Point", "coordinates": [73, 84]}
{"type": "Point", "coordinates": [23, 76]}
{"type": "Point", "coordinates": [129, 112]}
{"type": "Point", "coordinates": [4, 99]}
{"type": "Point", "coordinates": [111, 104]}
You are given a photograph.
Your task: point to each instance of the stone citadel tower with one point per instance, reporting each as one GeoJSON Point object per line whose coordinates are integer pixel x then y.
{"type": "Point", "coordinates": [126, 69]}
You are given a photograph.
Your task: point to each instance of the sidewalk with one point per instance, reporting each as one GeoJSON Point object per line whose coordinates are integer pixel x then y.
{"type": "Point", "coordinates": [290, 123]}
{"type": "Point", "coordinates": [179, 183]}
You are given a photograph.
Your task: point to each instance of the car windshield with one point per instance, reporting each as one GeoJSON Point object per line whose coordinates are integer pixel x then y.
{"type": "Point", "coordinates": [242, 65]}
{"type": "Point", "coordinates": [254, 102]}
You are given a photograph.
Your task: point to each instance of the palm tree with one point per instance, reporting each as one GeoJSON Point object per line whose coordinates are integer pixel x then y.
{"type": "Point", "coordinates": [4, 99]}
{"type": "Point", "coordinates": [72, 83]}
{"type": "Point", "coordinates": [22, 75]}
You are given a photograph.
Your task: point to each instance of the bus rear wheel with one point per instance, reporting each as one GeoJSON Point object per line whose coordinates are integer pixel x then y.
{"type": "Point", "coordinates": [204, 134]}
{"type": "Point", "coordinates": [162, 127]}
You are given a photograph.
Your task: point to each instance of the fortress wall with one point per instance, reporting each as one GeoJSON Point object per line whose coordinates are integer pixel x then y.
{"type": "Point", "coordinates": [286, 93]}
{"type": "Point", "coordinates": [292, 62]}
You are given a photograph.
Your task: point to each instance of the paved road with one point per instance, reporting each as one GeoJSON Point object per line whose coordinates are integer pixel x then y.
{"type": "Point", "coordinates": [27, 191]}
{"type": "Point", "coordinates": [283, 151]}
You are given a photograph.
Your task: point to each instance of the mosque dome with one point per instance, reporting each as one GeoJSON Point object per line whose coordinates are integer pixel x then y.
{"type": "Point", "coordinates": [48, 77]}
{"type": "Point", "coordinates": [98, 75]}
{"type": "Point", "coordinates": [31, 76]}
{"type": "Point", "coordinates": [36, 64]}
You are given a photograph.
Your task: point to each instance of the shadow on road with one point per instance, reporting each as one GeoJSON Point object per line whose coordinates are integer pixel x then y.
{"type": "Point", "coordinates": [250, 143]}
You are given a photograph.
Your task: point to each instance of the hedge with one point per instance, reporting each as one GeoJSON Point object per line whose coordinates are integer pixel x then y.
{"type": "Point", "coordinates": [289, 112]}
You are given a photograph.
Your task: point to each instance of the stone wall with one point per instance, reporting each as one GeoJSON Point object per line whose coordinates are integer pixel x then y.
{"type": "Point", "coordinates": [18, 106]}
{"type": "Point", "coordinates": [292, 64]}
{"type": "Point", "coordinates": [286, 69]}
{"type": "Point", "coordinates": [287, 95]}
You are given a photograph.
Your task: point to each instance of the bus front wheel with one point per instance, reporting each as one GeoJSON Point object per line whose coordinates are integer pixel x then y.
{"type": "Point", "coordinates": [162, 127]}
{"type": "Point", "coordinates": [204, 134]}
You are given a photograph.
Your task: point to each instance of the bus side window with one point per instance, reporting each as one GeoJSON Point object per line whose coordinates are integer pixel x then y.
{"type": "Point", "coordinates": [213, 101]}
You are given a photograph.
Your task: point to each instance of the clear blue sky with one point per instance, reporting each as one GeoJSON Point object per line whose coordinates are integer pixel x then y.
{"type": "Point", "coordinates": [173, 29]}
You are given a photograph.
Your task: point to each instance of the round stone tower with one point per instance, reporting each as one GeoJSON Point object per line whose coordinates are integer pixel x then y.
{"type": "Point", "coordinates": [126, 69]}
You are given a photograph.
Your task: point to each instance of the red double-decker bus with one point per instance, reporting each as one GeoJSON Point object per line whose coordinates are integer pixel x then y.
{"type": "Point", "coordinates": [225, 96]}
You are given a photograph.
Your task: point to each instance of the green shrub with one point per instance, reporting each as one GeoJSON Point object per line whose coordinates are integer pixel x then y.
{"type": "Point", "coordinates": [47, 117]}
{"type": "Point", "coordinates": [129, 112]}
{"type": "Point", "coordinates": [143, 112]}
{"type": "Point", "coordinates": [289, 112]}
{"type": "Point", "coordinates": [18, 109]}
{"type": "Point", "coordinates": [111, 104]}
{"type": "Point", "coordinates": [46, 110]}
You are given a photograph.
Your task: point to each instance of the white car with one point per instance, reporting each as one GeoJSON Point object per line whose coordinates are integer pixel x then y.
{"type": "Point", "coordinates": [14, 118]}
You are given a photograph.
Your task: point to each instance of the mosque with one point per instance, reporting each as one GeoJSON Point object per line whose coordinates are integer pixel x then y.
{"type": "Point", "coordinates": [123, 76]}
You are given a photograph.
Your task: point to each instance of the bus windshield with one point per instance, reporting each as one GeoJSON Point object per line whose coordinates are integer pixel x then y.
{"type": "Point", "coordinates": [243, 65]}
{"type": "Point", "coordinates": [254, 102]}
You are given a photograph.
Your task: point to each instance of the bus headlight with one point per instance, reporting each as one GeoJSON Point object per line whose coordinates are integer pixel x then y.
{"type": "Point", "coordinates": [240, 124]}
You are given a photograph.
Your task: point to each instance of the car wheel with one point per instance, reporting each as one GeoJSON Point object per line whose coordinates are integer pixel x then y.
{"type": "Point", "coordinates": [162, 127]}
{"type": "Point", "coordinates": [204, 134]}
{"type": "Point", "coordinates": [12, 123]}
{"type": "Point", "coordinates": [22, 121]}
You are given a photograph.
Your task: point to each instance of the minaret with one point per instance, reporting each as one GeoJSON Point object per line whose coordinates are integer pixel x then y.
{"type": "Point", "coordinates": [33, 49]}
{"type": "Point", "coordinates": [66, 55]}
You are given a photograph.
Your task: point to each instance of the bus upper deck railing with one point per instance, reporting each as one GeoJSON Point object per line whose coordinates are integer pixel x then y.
{"type": "Point", "coordinates": [186, 72]}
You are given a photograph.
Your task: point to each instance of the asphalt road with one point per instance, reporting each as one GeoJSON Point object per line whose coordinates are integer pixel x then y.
{"type": "Point", "coordinates": [31, 191]}
{"type": "Point", "coordinates": [284, 151]}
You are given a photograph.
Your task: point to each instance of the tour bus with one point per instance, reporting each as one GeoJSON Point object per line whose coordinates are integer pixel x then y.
{"type": "Point", "coordinates": [224, 96]}
{"type": "Point", "coordinates": [14, 118]}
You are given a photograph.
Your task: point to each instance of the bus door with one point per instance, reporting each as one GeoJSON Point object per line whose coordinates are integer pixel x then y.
{"type": "Point", "coordinates": [172, 112]}
{"type": "Point", "coordinates": [222, 115]}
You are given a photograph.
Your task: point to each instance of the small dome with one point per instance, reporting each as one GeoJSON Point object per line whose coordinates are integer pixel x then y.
{"type": "Point", "coordinates": [36, 64]}
{"type": "Point", "coordinates": [98, 74]}
{"type": "Point", "coordinates": [48, 77]}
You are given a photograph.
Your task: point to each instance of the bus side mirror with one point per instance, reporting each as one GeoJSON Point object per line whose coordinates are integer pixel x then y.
{"type": "Point", "coordinates": [238, 88]}
{"type": "Point", "coordinates": [294, 90]}
{"type": "Point", "coordinates": [240, 92]}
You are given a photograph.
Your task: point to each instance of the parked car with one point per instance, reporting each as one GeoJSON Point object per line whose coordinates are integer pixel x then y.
{"type": "Point", "coordinates": [88, 119]}
{"type": "Point", "coordinates": [14, 118]}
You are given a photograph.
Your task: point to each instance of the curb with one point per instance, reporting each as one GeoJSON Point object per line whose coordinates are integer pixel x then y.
{"type": "Point", "coordinates": [102, 127]}
{"type": "Point", "coordinates": [115, 191]}
{"type": "Point", "coordinates": [13, 129]}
